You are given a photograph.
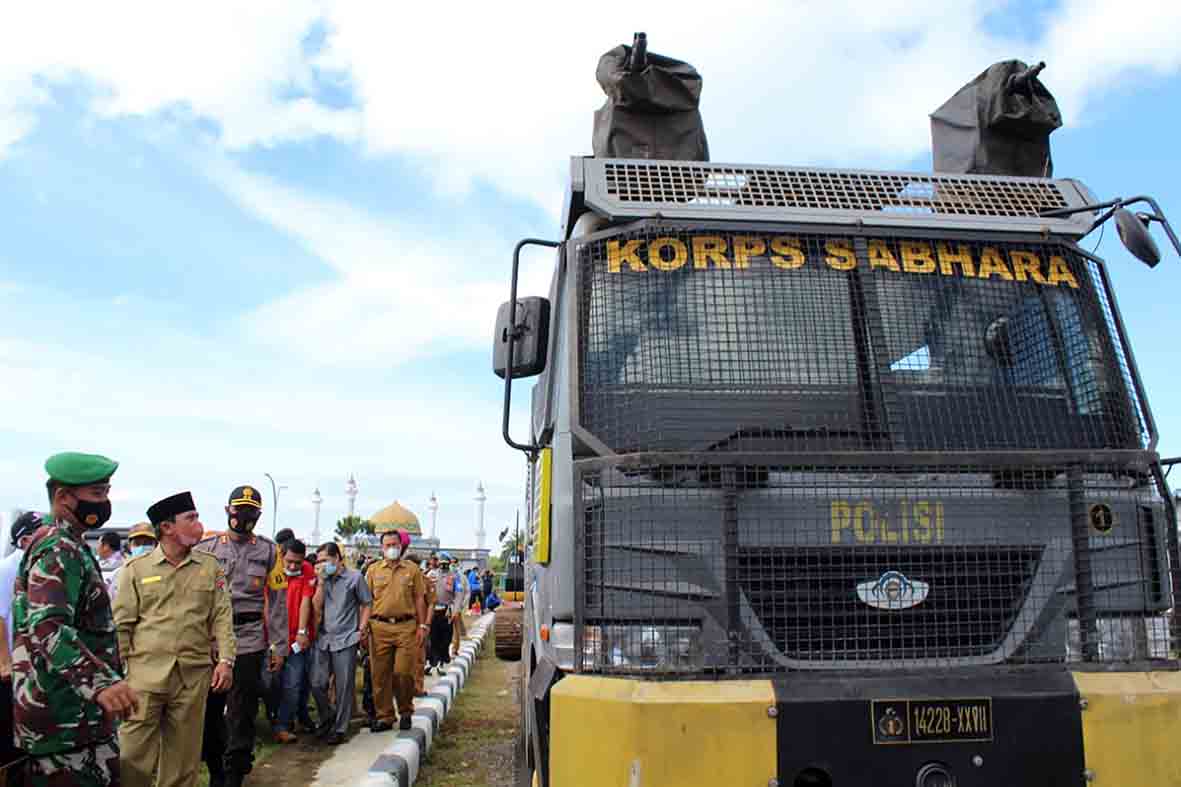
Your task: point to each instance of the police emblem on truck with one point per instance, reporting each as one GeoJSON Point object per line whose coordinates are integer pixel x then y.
{"type": "Point", "coordinates": [893, 591]}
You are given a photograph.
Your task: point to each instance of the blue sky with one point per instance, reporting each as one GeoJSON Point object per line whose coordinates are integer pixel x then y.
{"type": "Point", "coordinates": [274, 241]}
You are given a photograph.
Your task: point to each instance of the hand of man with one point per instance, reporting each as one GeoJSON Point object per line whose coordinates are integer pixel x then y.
{"type": "Point", "coordinates": [6, 669]}
{"type": "Point", "coordinates": [303, 641]}
{"type": "Point", "coordinates": [118, 701]}
{"type": "Point", "coordinates": [223, 678]}
{"type": "Point", "coordinates": [419, 636]}
{"type": "Point", "coordinates": [364, 636]}
{"type": "Point", "coordinates": [276, 663]}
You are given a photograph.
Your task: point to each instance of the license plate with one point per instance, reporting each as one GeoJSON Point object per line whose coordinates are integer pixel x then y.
{"type": "Point", "coordinates": [931, 721]}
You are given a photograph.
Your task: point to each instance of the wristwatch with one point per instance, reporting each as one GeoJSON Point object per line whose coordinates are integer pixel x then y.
{"type": "Point", "coordinates": [302, 631]}
{"type": "Point", "coordinates": [423, 626]}
{"type": "Point", "coordinates": [227, 662]}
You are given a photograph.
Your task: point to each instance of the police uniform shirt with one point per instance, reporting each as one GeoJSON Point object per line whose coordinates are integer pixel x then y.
{"type": "Point", "coordinates": [168, 615]}
{"type": "Point", "coordinates": [258, 588]}
{"type": "Point", "coordinates": [395, 586]}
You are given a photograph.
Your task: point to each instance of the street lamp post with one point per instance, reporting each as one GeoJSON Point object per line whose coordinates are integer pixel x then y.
{"type": "Point", "coordinates": [275, 490]}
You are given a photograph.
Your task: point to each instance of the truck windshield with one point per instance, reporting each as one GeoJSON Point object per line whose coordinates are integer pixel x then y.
{"type": "Point", "coordinates": [715, 340]}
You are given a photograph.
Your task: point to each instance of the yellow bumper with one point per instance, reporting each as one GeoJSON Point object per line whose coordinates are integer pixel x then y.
{"type": "Point", "coordinates": [607, 732]}
{"type": "Point", "coordinates": [1131, 727]}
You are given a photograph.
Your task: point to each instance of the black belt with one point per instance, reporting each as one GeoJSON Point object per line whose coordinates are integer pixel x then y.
{"type": "Point", "coordinates": [242, 618]}
{"type": "Point", "coordinates": [399, 619]}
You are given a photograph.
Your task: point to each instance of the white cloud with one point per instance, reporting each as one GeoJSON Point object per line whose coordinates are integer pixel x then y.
{"type": "Point", "coordinates": [505, 94]}
{"type": "Point", "coordinates": [400, 294]}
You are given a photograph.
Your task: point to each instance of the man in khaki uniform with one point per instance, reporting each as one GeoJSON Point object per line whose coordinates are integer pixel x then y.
{"type": "Point", "coordinates": [398, 628]}
{"type": "Point", "coordinates": [172, 605]}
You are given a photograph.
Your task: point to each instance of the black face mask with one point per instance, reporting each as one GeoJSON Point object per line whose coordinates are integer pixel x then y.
{"type": "Point", "coordinates": [243, 522]}
{"type": "Point", "coordinates": [92, 515]}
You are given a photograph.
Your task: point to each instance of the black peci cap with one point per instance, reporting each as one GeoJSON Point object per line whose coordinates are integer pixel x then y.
{"type": "Point", "coordinates": [170, 507]}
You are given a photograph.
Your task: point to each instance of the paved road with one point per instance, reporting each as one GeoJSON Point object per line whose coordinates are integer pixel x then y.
{"type": "Point", "coordinates": [352, 759]}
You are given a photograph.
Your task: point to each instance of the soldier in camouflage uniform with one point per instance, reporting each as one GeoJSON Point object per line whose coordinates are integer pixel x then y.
{"type": "Point", "coordinates": [258, 591]}
{"type": "Point", "coordinates": [68, 686]}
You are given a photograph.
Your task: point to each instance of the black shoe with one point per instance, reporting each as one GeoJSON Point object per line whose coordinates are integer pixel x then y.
{"type": "Point", "coordinates": [404, 723]}
{"type": "Point", "coordinates": [335, 739]}
{"type": "Point", "coordinates": [380, 726]}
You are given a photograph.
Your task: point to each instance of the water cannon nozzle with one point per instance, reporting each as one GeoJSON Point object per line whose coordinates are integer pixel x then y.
{"type": "Point", "coordinates": [639, 54]}
{"type": "Point", "coordinates": [1024, 79]}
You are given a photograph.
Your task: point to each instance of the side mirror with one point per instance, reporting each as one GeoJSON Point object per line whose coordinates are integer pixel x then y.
{"type": "Point", "coordinates": [1133, 233]}
{"type": "Point", "coordinates": [528, 332]}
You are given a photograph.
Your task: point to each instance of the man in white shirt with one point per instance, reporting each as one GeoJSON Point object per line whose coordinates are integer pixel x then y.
{"type": "Point", "coordinates": [21, 534]}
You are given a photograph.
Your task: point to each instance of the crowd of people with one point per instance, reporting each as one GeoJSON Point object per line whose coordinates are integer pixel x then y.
{"type": "Point", "coordinates": [111, 658]}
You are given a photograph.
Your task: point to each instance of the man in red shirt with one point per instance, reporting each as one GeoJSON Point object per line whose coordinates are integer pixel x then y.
{"type": "Point", "coordinates": [301, 631]}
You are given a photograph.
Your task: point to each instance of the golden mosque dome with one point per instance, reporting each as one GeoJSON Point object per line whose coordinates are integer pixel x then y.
{"type": "Point", "coordinates": [396, 516]}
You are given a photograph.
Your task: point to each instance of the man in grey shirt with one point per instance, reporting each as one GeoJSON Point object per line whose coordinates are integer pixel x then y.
{"type": "Point", "coordinates": [342, 603]}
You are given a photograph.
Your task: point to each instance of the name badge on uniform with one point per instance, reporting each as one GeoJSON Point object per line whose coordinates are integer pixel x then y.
{"type": "Point", "coordinates": [150, 580]}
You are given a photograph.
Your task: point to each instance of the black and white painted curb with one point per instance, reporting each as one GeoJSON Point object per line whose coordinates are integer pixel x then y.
{"type": "Point", "coordinates": [399, 763]}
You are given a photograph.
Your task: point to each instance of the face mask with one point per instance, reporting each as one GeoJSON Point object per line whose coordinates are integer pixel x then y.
{"type": "Point", "coordinates": [292, 572]}
{"type": "Point", "coordinates": [243, 522]}
{"type": "Point", "coordinates": [142, 549]}
{"type": "Point", "coordinates": [329, 569]}
{"type": "Point", "coordinates": [391, 553]}
{"type": "Point", "coordinates": [92, 515]}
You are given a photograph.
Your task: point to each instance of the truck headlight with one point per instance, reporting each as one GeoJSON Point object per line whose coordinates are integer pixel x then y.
{"type": "Point", "coordinates": [645, 648]}
{"type": "Point", "coordinates": [630, 648]}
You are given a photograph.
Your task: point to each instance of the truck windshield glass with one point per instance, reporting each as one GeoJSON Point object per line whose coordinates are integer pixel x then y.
{"type": "Point", "coordinates": [719, 341]}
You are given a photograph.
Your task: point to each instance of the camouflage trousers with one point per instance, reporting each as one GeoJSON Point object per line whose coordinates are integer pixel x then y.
{"type": "Point", "coordinates": [92, 766]}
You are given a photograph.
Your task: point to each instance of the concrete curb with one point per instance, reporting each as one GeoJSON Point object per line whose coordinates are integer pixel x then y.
{"type": "Point", "coordinates": [399, 763]}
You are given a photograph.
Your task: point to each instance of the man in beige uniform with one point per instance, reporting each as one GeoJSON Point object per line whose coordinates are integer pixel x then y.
{"type": "Point", "coordinates": [398, 627]}
{"type": "Point", "coordinates": [171, 606]}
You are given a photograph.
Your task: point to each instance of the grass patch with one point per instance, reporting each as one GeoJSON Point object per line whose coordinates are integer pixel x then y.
{"type": "Point", "coordinates": [474, 748]}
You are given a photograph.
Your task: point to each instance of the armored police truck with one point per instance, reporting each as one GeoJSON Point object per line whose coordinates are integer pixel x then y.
{"type": "Point", "coordinates": [840, 477]}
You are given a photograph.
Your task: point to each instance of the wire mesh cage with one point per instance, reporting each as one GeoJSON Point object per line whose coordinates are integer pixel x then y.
{"type": "Point", "coordinates": [859, 452]}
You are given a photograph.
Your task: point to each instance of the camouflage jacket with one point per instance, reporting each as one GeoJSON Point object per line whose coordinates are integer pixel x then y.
{"type": "Point", "coordinates": [66, 651]}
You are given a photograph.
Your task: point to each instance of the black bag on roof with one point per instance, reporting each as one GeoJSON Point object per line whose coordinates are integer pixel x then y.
{"type": "Point", "coordinates": [651, 110]}
{"type": "Point", "coordinates": [997, 124]}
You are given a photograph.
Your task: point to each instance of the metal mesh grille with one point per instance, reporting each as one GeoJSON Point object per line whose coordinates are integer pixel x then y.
{"type": "Point", "coordinates": [723, 341]}
{"type": "Point", "coordinates": [676, 183]}
{"type": "Point", "coordinates": [872, 451]}
{"type": "Point", "coordinates": [738, 568]}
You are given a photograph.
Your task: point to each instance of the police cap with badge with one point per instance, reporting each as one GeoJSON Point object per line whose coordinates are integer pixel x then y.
{"type": "Point", "coordinates": [246, 496]}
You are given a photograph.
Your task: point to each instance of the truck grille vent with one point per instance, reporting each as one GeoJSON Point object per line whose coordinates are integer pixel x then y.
{"type": "Point", "coordinates": [678, 183]}
{"type": "Point", "coordinates": [804, 599]}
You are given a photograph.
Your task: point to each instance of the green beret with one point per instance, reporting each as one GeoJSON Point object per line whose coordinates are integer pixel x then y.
{"type": "Point", "coordinates": [75, 469]}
